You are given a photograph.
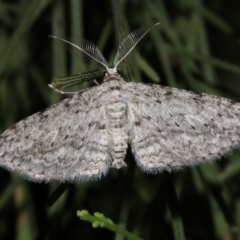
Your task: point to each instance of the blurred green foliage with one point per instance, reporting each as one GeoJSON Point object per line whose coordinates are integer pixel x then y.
{"type": "Point", "coordinates": [196, 47]}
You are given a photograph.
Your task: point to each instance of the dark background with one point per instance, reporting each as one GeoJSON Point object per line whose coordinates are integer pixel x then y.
{"type": "Point", "coordinates": [196, 47]}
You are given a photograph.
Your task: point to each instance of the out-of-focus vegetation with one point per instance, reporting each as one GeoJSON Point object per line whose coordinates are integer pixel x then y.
{"type": "Point", "coordinates": [196, 47]}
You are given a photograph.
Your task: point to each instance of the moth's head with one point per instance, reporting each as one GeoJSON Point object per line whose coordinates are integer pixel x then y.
{"type": "Point", "coordinates": [111, 74]}
{"type": "Point", "coordinates": [111, 70]}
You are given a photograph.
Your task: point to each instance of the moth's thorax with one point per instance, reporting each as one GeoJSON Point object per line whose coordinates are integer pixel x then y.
{"type": "Point", "coordinates": [114, 83]}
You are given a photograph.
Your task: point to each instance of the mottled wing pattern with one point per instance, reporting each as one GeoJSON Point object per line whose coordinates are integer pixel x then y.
{"type": "Point", "coordinates": [173, 128]}
{"type": "Point", "coordinates": [65, 142]}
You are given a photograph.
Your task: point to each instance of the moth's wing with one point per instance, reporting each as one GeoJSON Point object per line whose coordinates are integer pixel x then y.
{"type": "Point", "coordinates": [66, 142]}
{"type": "Point", "coordinates": [173, 128]}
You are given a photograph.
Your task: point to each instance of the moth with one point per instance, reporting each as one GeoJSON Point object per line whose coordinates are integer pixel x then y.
{"type": "Point", "coordinates": [82, 137]}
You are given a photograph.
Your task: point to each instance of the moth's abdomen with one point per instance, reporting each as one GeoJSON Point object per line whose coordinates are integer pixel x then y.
{"type": "Point", "coordinates": [118, 132]}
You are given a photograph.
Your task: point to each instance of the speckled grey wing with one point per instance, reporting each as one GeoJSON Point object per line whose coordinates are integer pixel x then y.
{"type": "Point", "coordinates": [65, 142]}
{"type": "Point", "coordinates": [173, 128]}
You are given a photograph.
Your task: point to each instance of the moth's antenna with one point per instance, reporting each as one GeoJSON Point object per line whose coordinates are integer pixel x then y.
{"type": "Point", "coordinates": [128, 44]}
{"type": "Point", "coordinates": [91, 51]}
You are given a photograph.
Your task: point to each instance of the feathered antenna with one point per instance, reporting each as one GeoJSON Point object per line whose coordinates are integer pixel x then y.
{"type": "Point", "coordinates": [91, 52]}
{"type": "Point", "coordinates": [125, 48]}
{"type": "Point", "coordinates": [128, 44]}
